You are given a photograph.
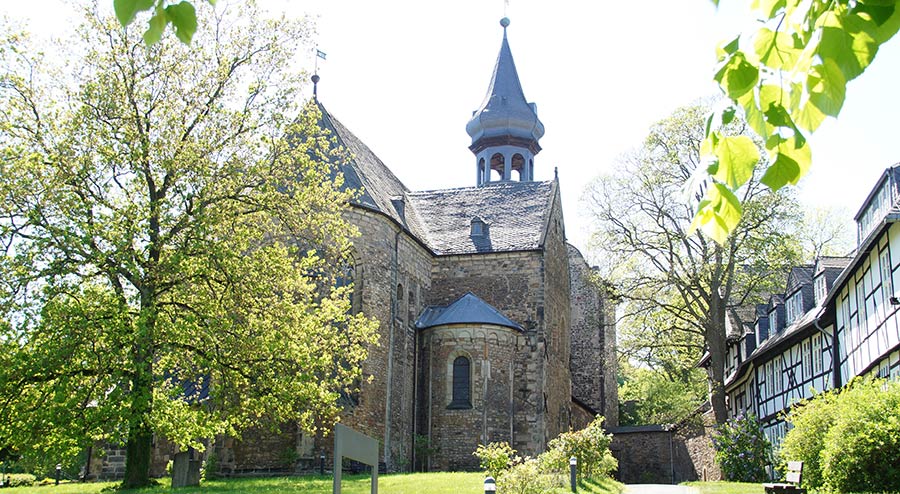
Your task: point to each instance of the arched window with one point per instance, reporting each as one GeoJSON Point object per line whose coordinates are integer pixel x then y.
{"type": "Point", "coordinates": [498, 167]}
{"type": "Point", "coordinates": [462, 389]}
{"type": "Point", "coordinates": [483, 176]}
{"type": "Point", "coordinates": [518, 166]}
{"type": "Point", "coordinates": [399, 312]}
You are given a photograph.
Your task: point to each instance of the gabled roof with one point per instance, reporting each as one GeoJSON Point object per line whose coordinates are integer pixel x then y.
{"type": "Point", "coordinates": [366, 172]}
{"type": "Point", "coordinates": [799, 276]}
{"type": "Point", "coordinates": [468, 309]}
{"type": "Point", "coordinates": [516, 215]}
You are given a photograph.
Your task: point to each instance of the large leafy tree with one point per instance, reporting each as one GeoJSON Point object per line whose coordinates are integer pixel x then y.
{"type": "Point", "coordinates": [172, 236]}
{"type": "Point", "coordinates": [679, 287]}
{"type": "Point", "coordinates": [785, 76]}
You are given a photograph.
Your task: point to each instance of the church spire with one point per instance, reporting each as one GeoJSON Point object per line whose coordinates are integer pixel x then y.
{"type": "Point", "coordinates": [505, 129]}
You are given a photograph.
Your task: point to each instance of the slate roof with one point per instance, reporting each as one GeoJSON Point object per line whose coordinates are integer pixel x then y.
{"type": "Point", "coordinates": [366, 172]}
{"type": "Point", "coordinates": [468, 309]}
{"type": "Point", "coordinates": [505, 111]}
{"type": "Point", "coordinates": [516, 214]}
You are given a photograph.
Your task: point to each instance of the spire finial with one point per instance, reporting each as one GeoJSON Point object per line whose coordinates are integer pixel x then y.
{"type": "Point", "coordinates": [505, 23]}
{"type": "Point", "coordinates": [315, 81]}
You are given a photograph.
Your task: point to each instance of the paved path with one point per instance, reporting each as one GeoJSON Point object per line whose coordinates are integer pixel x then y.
{"type": "Point", "coordinates": [658, 489]}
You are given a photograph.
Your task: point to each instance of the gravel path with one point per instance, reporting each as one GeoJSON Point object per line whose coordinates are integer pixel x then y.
{"type": "Point", "coordinates": [658, 489]}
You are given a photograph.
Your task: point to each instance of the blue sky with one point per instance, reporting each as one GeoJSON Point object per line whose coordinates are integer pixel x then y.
{"type": "Point", "coordinates": [406, 75]}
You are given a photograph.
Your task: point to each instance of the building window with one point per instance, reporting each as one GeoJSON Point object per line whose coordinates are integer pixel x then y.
{"type": "Point", "coordinates": [821, 289]}
{"type": "Point", "coordinates": [462, 389]}
{"type": "Point", "coordinates": [794, 307]}
{"type": "Point", "coordinates": [479, 228]}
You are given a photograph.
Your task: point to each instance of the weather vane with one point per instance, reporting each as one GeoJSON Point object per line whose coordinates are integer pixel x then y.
{"type": "Point", "coordinates": [315, 78]}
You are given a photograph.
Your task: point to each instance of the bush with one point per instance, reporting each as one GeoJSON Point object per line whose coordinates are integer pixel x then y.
{"type": "Point", "coordinates": [529, 476]}
{"type": "Point", "coordinates": [590, 446]}
{"type": "Point", "coordinates": [549, 472]}
{"type": "Point", "coordinates": [810, 420]}
{"type": "Point", "coordinates": [742, 450]}
{"type": "Point", "coordinates": [849, 440]}
{"type": "Point", "coordinates": [495, 458]}
{"type": "Point", "coordinates": [863, 444]}
{"type": "Point", "coordinates": [20, 480]}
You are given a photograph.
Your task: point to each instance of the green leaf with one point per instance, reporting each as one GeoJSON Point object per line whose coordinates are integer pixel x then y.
{"type": "Point", "coordinates": [728, 115]}
{"type": "Point", "coordinates": [737, 159]}
{"type": "Point", "coordinates": [724, 49]}
{"type": "Point", "coordinates": [718, 214]}
{"type": "Point", "coordinates": [737, 76]}
{"type": "Point", "coordinates": [885, 14]}
{"type": "Point", "coordinates": [127, 9]}
{"type": "Point", "coordinates": [848, 42]}
{"type": "Point", "coordinates": [156, 27]}
{"type": "Point", "coordinates": [184, 18]}
{"type": "Point", "coordinates": [827, 87]}
{"type": "Point", "coordinates": [809, 117]}
{"type": "Point", "coordinates": [768, 7]}
{"type": "Point", "coordinates": [791, 163]}
{"type": "Point", "coordinates": [777, 50]}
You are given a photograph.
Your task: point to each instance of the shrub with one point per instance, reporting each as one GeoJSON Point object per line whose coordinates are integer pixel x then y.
{"type": "Point", "coordinates": [495, 458]}
{"type": "Point", "coordinates": [528, 476]}
{"type": "Point", "coordinates": [863, 444]}
{"type": "Point", "coordinates": [810, 421]}
{"type": "Point", "coordinates": [590, 446]}
{"type": "Point", "coordinates": [20, 480]}
{"type": "Point", "coordinates": [742, 450]}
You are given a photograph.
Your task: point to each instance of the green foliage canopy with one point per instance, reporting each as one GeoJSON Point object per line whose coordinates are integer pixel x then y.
{"type": "Point", "coordinates": [784, 77]}
{"type": "Point", "coordinates": [678, 288]}
{"type": "Point", "coordinates": [168, 225]}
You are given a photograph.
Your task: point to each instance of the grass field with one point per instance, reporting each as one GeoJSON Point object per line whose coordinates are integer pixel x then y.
{"type": "Point", "coordinates": [424, 483]}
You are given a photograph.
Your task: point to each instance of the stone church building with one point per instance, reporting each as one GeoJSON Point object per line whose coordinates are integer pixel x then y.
{"type": "Point", "coordinates": [490, 326]}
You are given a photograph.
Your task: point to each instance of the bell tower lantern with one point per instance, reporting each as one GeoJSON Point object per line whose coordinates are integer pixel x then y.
{"type": "Point", "coordinates": [505, 129]}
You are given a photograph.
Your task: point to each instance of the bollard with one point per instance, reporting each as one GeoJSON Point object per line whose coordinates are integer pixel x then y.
{"type": "Point", "coordinates": [489, 486]}
{"type": "Point", "coordinates": [58, 472]}
{"type": "Point", "coordinates": [573, 464]}
{"type": "Point", "coordinates": [322, 463]}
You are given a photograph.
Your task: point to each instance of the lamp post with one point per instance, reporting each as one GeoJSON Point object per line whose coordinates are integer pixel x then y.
{"type": "Point", "coordinates": [58, 472]}
{"type": "Point", "coordinates": [573, 466]}
{"type": "Point", "coordinates": [322, 462]}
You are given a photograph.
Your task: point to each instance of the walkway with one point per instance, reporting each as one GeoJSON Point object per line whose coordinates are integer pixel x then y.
{"type": "Point", "coordinates": [658, 489]}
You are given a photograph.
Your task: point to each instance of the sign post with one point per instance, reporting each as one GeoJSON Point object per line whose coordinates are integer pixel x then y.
{"type": "Point", "coordinates": [356, 446]}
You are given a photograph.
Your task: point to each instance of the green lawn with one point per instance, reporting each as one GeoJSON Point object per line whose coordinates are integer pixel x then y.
{"type": "Point", "coordinates": [419, 483]}
{"type": "Point", "coordinates": [726, 487]}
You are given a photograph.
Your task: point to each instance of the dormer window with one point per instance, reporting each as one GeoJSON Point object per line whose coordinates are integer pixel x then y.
{"type": "Point", "coordinates": [479, 228]}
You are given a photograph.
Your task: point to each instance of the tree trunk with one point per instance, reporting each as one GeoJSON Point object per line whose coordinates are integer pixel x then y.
{"type": "Point", "coordinates": [715, 341]}
{"type": "Point", "coordinates": [137, 461]}
{"type": "Point", "coordinates": [140, 434]}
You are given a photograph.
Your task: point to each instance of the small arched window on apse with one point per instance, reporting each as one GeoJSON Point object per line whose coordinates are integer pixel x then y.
{"type": "Point", "coordinates": [461, 392]}
{"type": "Point", "coordinates": [518, 165]}
{"type": "Point", "coordinates": [498, 166]}
{"type": "Point", "coordinates": [411, 303]}
{"type": "Point", "coordinates": [483, 176]}
{"type": "Point", "coordinates": [400, 310]}
{"type": "Point", "coordinates": [350, 275]}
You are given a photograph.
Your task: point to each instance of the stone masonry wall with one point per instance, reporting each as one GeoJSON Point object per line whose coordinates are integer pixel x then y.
{"type": "Point", "coordinates": [392, 273]}
{"type": "Point", "coordinates": [512, 283]}
{"type": "Point", "coordinates": [557, 383]}
{"type": "Point", "coordinates": [644, 455]}
{"type": "Point", "coordinates": [456, 433]}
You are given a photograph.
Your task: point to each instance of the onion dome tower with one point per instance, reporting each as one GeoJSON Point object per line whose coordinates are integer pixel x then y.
{"type": "Point", "coordinates": [505, 129]}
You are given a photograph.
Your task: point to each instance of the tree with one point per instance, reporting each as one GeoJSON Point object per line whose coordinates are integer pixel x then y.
{"type": "Point", "coordinates": [785, 78]}
{"type": "Point", "coordinates": [653, 396]}
{"type": "Point", "coordinates": [825, 232]}
{"type": "Point", "coordinates": [668, 274]}
{"type": "Point", "coordinates": [173, 238]}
